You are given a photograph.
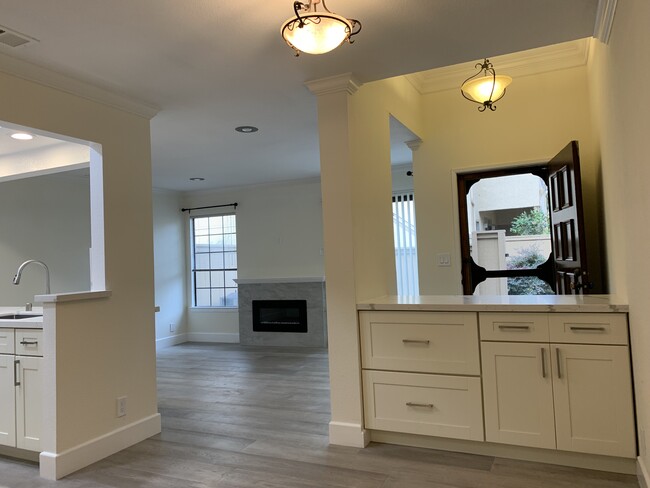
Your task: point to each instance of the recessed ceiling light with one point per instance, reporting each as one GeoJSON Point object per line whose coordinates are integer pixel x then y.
{"type": "Point", "coordinates": [246, 129]}
{"type": "Point", "coordinates": [197, 179]}
{"type": "Point", "coordinates": [22, 136]}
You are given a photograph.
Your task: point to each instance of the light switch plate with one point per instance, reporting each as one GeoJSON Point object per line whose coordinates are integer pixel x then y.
{"type": "Point", "coordinates": [444, 259]}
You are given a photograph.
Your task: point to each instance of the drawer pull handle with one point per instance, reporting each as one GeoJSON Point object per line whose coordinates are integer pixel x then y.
{"type": "Point", "coordinates": [543, 362]}
{"type": "Point", "coordinates": [575, 327]}
{"type": "Point", "coordinates": [16, 374]}
{"type": "Point", "coordinates": [425, 405]}
{"type": "Point", "coordinates": [515, 327]}
{"type": "Point", "coordinates": [415, 341]}
{"type": "Point", "coordinates": [29, 343]}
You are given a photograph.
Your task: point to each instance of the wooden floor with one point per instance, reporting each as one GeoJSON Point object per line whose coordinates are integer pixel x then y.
{"type": "Point", "coordinates": [236, 417]}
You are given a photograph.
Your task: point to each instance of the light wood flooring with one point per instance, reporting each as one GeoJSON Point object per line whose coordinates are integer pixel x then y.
{"type": "Point", "coordinates": [239, 417]}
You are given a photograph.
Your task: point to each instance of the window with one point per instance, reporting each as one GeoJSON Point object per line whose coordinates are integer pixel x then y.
{"type": "Point", "coordinates": [406, 252]}
{"type": "Point", "coordinates": [214, 261]}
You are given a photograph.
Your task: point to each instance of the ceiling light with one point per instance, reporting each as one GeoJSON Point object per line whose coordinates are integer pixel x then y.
{"type": "Point", "coordinates": [197, 179]}
{"type": "Point", "coordinates": [246, 129]}
{"type": "Point", "coordinates": [22, 136]}
{"type": "Point", "coordinates": [317, 32]}
{"type": "Point", "coordinates": [485, 87]}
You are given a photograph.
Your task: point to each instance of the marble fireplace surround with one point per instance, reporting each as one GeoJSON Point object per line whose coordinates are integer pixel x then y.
{"type": "Point", "coordinates": [311, 289]}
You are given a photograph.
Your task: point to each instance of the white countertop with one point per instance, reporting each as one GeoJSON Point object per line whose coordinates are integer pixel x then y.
{"type": "Point", "coordinates": [505, 303]}
{"type": "Point", "coordinates": [30, 323]}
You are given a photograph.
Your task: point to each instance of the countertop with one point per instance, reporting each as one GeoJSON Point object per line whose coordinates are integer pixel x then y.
{"type": "Point", "coordinates": [506, 303]}
{"type": "Point", "coordinates": [30, 323]}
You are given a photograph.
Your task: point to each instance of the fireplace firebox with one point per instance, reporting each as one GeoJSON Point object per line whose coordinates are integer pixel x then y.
{"type": "Point", "coordinates": [280, 315]}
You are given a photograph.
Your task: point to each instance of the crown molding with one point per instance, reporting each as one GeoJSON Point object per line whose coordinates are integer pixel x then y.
{"type": "Point", "coordinates": [604, 20]}
{"type": "Point", "coordinates": [414, 145]}
{"type": "Point", "coordinates": [345, 82]}
{"type": "Point", "coordinates": [524, 63]}
{"type": "Point", "coordinates": [58, 81]}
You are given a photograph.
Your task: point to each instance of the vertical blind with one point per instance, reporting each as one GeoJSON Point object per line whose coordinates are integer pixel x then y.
{"type": "Point", "coordinates": [404, 234]}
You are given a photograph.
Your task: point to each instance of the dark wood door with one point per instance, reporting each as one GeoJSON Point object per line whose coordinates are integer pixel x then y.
{"type": "Point", "coordinates": [567, 221]}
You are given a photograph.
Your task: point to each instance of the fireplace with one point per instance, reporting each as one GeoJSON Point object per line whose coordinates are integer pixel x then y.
{"type": "Point", "coordinates": [282, 312]}
{"type": "Point", "coordinates": [280, 316]}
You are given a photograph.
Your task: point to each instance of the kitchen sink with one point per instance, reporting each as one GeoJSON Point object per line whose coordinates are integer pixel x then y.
{"type": "Point", "coordinates": [18, 316]}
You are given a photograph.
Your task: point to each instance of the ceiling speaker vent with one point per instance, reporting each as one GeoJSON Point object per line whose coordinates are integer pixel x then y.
{"type": "Point", "coordinates": [14, 39]}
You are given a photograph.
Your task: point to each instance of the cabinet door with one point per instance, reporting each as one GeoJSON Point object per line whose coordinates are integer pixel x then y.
{"type": "Point", "coordinates": [7, 402]}
{"type": "Point", "coordinates": [29, 403]}
{"type": "Point", "coordinates": [593, 399]}
{"type": "Point", "coordinates": [518, 394]}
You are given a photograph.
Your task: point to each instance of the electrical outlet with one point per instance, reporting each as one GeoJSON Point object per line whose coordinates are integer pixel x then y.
{"type": "Point", "coordinates": [121, 406]}
{"type": "Point", "coordinates": [172, 327]}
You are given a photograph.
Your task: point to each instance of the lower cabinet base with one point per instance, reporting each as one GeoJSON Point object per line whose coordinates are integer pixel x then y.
{"type": "Point", "coordinates": [562, 458]}
{"type": "Point", "coordinates": [14, 452]}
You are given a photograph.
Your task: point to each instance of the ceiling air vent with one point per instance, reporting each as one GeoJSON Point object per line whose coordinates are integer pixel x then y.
{"type": "Point", "coordinates": [14, 39]}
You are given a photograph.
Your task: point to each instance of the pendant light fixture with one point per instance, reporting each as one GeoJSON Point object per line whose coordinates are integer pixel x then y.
{"type": "Point", "coordinates": [316, 31]}
{"type": "Point", "coordinates": [485, 87]}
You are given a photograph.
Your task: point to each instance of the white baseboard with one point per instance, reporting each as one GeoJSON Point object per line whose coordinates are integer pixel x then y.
{"type": "Point", "coordinates": [54, 466]}
{"type": "Point", "coordinates": [348, 434]}
{"type": "Point", "coordinates": [642, 473]}
{"type": "Point", "coordinates": [170, 341]}
{"type": "Point", "coordinates": [230, 338]}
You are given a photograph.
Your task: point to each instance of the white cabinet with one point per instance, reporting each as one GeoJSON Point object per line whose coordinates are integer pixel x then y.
{"type": "Point", "coordinates": [421, 373]}
{"type": "Point", "coordinates": [568, 396]}
{"type": "Point", "coordinates": [20, 389]}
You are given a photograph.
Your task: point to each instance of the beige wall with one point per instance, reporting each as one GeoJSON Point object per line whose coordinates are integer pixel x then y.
{"type": "Point", "coordinates": [539, 115]}
{"type": "Point", "coordinates": [619, 74]}
{"type": "Point", "coordinates": [105, 348]}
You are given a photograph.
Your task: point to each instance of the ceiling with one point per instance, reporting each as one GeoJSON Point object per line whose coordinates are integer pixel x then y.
{"type": "Point", "coordinates": [208, 66]}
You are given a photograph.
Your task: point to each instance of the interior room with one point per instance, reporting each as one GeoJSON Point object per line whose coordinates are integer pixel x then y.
{"type": "Point", "coordinates": [213, 274]}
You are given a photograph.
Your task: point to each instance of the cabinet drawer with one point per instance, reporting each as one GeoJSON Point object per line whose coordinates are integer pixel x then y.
{"type": "Point", "coordinates": [589, 328]}
{"type": "Point", "coordinates": [6, 341]}
{"type": "Point", "coordinates": [514, 327]}
{"type": "Point", "coordinates": [426, 404]}
{"type": "Point", "coordinates": [29, 342]}
{"type": "Point", "coordinates": [420, 342]}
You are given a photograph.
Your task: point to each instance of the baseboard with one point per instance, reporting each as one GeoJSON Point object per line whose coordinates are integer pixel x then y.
{"type": "Point", "coordinates": [548, 456]}
{"type": "Point", "coordinates": [642, 473]}
{"type": "Point", "coordinates": [230, 338]}
{"type": "Point", "coordinates": [54, 466]}
{"type": "Point", "coordinates": [348, 434]}
{"type": "Point", "coordinates": [170, 341]}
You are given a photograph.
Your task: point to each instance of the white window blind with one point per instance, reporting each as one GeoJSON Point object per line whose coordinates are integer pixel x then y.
{"type": "Point", "coordinates": [406, 253]}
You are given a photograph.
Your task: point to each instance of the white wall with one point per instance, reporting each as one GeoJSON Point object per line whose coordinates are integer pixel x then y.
{"type": "Point", "coordinates": [619, 74]}
{"type": "Point", "coordinates": [45, 218]}
{"type": "Point", "coordinates": [279, 235]}
{"type": "Point", "coordinates": [104, 348]}
{"type": "Point", "coordinates": [169, 268]}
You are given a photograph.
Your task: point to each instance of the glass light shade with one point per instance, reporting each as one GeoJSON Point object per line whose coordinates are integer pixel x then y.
{"type": "Point", "coordinates": [320, 33]}
{"type": "Point", "coordinates": [479, 89]}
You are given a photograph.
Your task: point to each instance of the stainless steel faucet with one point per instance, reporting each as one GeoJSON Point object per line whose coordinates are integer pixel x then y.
{"type": "Point", "coordinates": [16, 280]}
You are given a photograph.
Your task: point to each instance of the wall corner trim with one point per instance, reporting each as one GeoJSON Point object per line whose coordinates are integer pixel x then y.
{"type": "Point", "coordinates": [642, 473]}
{"type": "Point", "coordinates": [348, 434]}
{"type": "Point", "coordinates": [345, 82]}
{"type": "Point", "coordinates": [54, 466]}
{"type": "Point", "coordinates": [604, 20]}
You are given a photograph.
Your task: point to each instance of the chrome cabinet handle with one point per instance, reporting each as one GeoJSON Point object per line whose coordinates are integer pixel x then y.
{"type": "Point", "coordinates": [575, 327]}
{"type": "Point", "coordinates": [425, 405]}
{"type": "Point", "coordinates": [415, 341]}
{"type": "Point", "coordinates": [559, 363]}
{"type": "Point", "coordinates": [29, 343]}
{"type": "Point", "coordinates": [543, 362]}
{"type": "Point", "coordinates": [516, 327]}
{"type": "Point", "coordinates": [16, 370]}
